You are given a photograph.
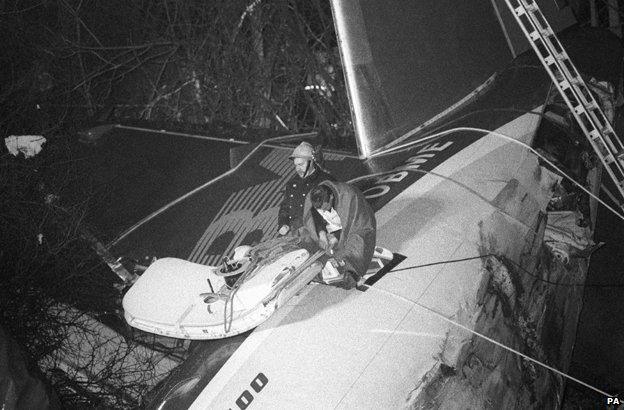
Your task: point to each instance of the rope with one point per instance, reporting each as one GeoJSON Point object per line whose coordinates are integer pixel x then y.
{"type": "Point", "coordinates": [254, 265]}
{"type": "Point", "coordinates": [451, 321]}
{"type": "Point", "coordinates": [229, 301]}
{"type": "Point", "coordinates": [424, 265]}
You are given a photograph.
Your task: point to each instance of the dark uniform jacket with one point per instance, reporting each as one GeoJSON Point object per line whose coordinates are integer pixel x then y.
{"type": "Point", "coordinates": [297, 188]}
{"type": "Point", "coordinates": [359, 227]}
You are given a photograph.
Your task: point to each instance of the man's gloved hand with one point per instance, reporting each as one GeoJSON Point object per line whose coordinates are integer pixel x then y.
{"type": "Point", "coordinates": [348, 281]}
{"type": "Point", "coordinates": [283, 230]}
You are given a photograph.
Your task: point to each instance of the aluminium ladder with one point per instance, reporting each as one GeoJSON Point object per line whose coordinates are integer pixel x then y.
{"type": "Point", "coordinates": [572, 88]}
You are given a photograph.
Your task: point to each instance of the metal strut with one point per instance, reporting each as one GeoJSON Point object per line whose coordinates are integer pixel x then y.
{"type": "Point", "coordinates": [572, 88]}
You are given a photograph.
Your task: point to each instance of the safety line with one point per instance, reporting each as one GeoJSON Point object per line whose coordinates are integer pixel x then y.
{"type": "Point", "coordinates": [424, 265]}
{"type": "Point", "coordinates": [206, 137]}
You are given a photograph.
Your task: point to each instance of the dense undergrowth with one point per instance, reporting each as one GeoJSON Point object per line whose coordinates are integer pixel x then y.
{"type": "Point", "coordinates": [67, 63]}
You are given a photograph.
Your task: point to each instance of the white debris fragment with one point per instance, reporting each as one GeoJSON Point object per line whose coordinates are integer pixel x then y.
{"type": "Point", "coordinates": [29, 145]}
{"type": "Point", "coordinates": [51, 198]}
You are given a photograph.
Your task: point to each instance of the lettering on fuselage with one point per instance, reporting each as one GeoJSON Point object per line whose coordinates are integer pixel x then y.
{"type": "Point", "coordinates": [383, 184]}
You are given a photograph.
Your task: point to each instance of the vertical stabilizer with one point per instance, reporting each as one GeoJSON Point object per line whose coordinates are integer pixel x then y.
{"type": "Point", "coordinates": [407, 62]}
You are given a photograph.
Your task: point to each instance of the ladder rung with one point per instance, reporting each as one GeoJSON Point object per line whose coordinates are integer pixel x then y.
{"type": "Point", "coordinates": [610, 134]}
{"type": "Point", "coordinates": [595, 135]}
{"type": "Point", "coordinates": [591, 106]}
{"type": "Point", "coordinates": [581, 108]}
{"type": "Point", "coordinates": [543, 34]}
{"type": "Point", "coordinates": [575, 81]}
{"type": "Point", "coordinates": [546, 33]}
{"type": "Point", "coordinates": [531, 7]}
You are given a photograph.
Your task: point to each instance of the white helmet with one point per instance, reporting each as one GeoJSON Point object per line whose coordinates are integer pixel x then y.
{"type": "Point", "coordinates": [241, 252]}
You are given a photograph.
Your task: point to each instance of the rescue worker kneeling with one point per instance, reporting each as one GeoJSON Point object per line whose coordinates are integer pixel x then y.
{"type": "Point", "coordinates": [347, 231]}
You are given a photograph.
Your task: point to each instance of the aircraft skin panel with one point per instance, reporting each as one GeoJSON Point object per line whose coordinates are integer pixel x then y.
{"type": "Point", "coordinates": [331, 348]}
{"type": "Point", "coordinates": [420, 331]}
{"type": "Point", "coordinates": [452, 283]}
{"type": "Point", "coordinates": [298, 357]}
{"type": "Point", "coordinates": [422, 340]}
{"type": "Point", "coordinates": [469, 155]}
{"type": "Point", "coordinates": [455, 205]}
{"type": "Point", "coordinates": [465, 251]}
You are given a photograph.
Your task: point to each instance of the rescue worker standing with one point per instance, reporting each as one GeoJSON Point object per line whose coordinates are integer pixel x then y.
{"type": "Point", "coordinates": [308, 175]}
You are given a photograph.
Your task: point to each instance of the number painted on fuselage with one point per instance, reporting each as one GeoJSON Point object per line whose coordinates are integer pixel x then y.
{"type": "Point", "coordinates": [244, 400]}
{"type": "Point", "coordinates": [257, 384]}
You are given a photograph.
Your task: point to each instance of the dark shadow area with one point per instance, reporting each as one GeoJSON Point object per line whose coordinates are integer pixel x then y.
{"type": "Point", "coordinates": [598, 357]}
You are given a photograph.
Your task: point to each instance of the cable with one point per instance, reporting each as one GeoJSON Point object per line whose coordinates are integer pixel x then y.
{"type": "Point", "coordinates": [424, 265]}
{"type": "Point", "coordinates": [229, 301]}
{"type": "Point", "coordinates": [584, 285]}
{"type": "Point", "coordinates": [451, 321]}
{"type": "Point", "coordinates": [489, 110]}
{"type": "Point", "coordinates": [579, 285]}
{"type": "Point", "coordinates": [510, 139]}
